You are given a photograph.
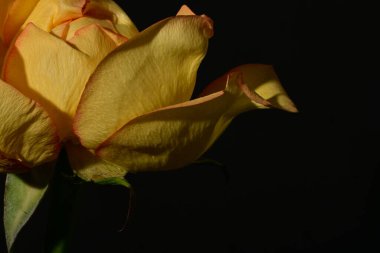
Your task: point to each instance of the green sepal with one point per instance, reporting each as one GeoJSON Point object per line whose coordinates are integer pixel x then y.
{"type": "Point", "coordinates": [122, 182]}
{"type": "Point", "coordinates": [23, 193]}
{"type": "Point", "coordinates": [114, 181]}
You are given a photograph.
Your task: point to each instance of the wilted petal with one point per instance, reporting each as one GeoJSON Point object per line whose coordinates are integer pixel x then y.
{"type": "Point", "coordinates": [154, 69]}
{"type": "Point", "coordinates": [90, 167]}
{"type": "Point", "coordinates": [254, 74]}
{"type": "Point", "coordinates": [13, 14]}
{"type": "Point", "coordinates": [51, 72]}
{"type": "Point", "coordinates": [28, 136]}
{"type": "Point", "coordinates": [172, 137]}
{"type": "Point", "coordinates": [108, 9]}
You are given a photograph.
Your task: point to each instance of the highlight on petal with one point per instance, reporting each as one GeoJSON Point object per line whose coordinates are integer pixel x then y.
{"type": "Point", "coordinates": [50, 13]}
{"type": "Point", "coordinates": [28, 136]}
{"type": "Point", "coordinates": [13, 14]}
{"type": "Point", "coordinates": [51, 73]}
{"type": "Point", "coordinates": [108, 9]}
{"type": "Point", "coordinates": [174, 136]}
{"type": "Point", "coordinates": [262, 79]}
{"type": "Point", "coordinates": [90, 167]}
{"type": "Point", "coordinates": [156, 68]}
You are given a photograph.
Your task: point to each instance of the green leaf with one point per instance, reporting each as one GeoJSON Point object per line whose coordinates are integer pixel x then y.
{"type": "Point", "coordinates": [22, 194]}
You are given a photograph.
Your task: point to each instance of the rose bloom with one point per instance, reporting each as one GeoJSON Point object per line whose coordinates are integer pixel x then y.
{"type": "Point", "coordinates": [78, 75]}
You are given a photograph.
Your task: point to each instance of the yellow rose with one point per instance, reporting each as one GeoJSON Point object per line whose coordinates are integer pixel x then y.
{"type": "Point", "coordinates": [48, 50]}
{"type": "Point", "coordinates": [79, 73]}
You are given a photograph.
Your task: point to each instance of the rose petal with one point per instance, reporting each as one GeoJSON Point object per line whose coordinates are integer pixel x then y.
{"type": "Point", "coordinates": [50, 13]}
{"type": "Point", "coordinates": [61, 30]}
{"type": "Point", "coordinates": [71, 27]}
{"type": "Point", "coordinates": [173, 137]}
{"type": "Point", "coordinates": [154, 69]}
{"type": "Point", "coordinates": [185, 11]}
{"type": "Point", "coordinates": [96, 42]}
{"type": "Point", "coordinates": [3, 50]}
{"type": "Point", "coordinates": [28, 136]}
{"type": "Point", "coordinates": [90, 167]}
{"type": "Point", "coordinates": [13, 14]}
{"type": "Point", "coordinates": [50, 71]}
{"type": "Point", "coordinates": [254, 74]}
{"type": "Point", "coordinates": [108, 9]}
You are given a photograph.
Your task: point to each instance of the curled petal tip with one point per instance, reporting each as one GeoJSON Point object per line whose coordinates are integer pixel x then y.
{"type": "Point", "coordinates": [208, 26]}
{"type": "Point", "coordinates": [283, 102]}
{"type": "Point", "coordinates": [252, 95]}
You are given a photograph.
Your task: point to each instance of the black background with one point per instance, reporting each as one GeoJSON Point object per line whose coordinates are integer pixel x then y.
{"type": "Point", "coordinates": [306, 182]}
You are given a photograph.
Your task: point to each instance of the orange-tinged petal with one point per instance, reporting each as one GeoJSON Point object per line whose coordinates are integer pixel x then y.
{"type": "Point", "coordinates": [185, 11]}
{"type": "Point", "coordinates": [61, 30]}
{"type": "Point", "coordinates": [96, 41]}
{"type": "Point", "coordinates": [72, 27]}
{"type": "Point", "coordinates": [50, 71]}
{"type": "Point", "coordinates": [13, 13]}
{"type": "Point", "coordinates": [28, 136]}
{"type": "Point", "coordinates": [3, 12]}
{"type": "Point", "coordinates": [90, 167]}
{"type": "Point", "coordinates": [172, 137]}
{"type": "Point", "coordinates": [253, 74]}
{"type": "Point", "coordinates": [3, 50]}
{"type": "Point", "coordinates": [156, 68]}
{"type": "Point", "coordinates": [108, 9]}
{"type": "Point", "coordinates": [50, 13]}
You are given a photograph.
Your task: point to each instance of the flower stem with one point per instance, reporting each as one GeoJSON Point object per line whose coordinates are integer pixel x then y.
{"type": "Point", "coordinates": [63, 195]}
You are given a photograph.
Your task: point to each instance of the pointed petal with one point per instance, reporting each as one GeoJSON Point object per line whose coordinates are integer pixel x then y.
{"type": "Point", "coordinates": [22, 195]}
{"type": "Point", "coordinates": [185, 11]}
{"type": "Point", "coordinates": [72, 27]}
{"type": "Point", "coordinates": [13, 14]}
{"type": "Point", "coordinates": [52, 73]}
{"type": "Point", "coordinates": [254, 75]}
{"type": "Point", "coordinates": [175, 136]}
{"type": "Point", "coordinates": [108, 9]}
{"type": "Point", "coordinates": [96, 42]}
{"type": "Point", "coordinates": [90, 167]}
{"type": "Point", "coordinates": [61, 30]}
{"type": "Point", "coordinates": [154, 69]}
{"type": "Point", "coordinates": [28, 136]}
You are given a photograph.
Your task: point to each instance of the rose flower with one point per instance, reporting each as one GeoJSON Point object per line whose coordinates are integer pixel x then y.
{"type": "Point", "coordinates": [78, 74]}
